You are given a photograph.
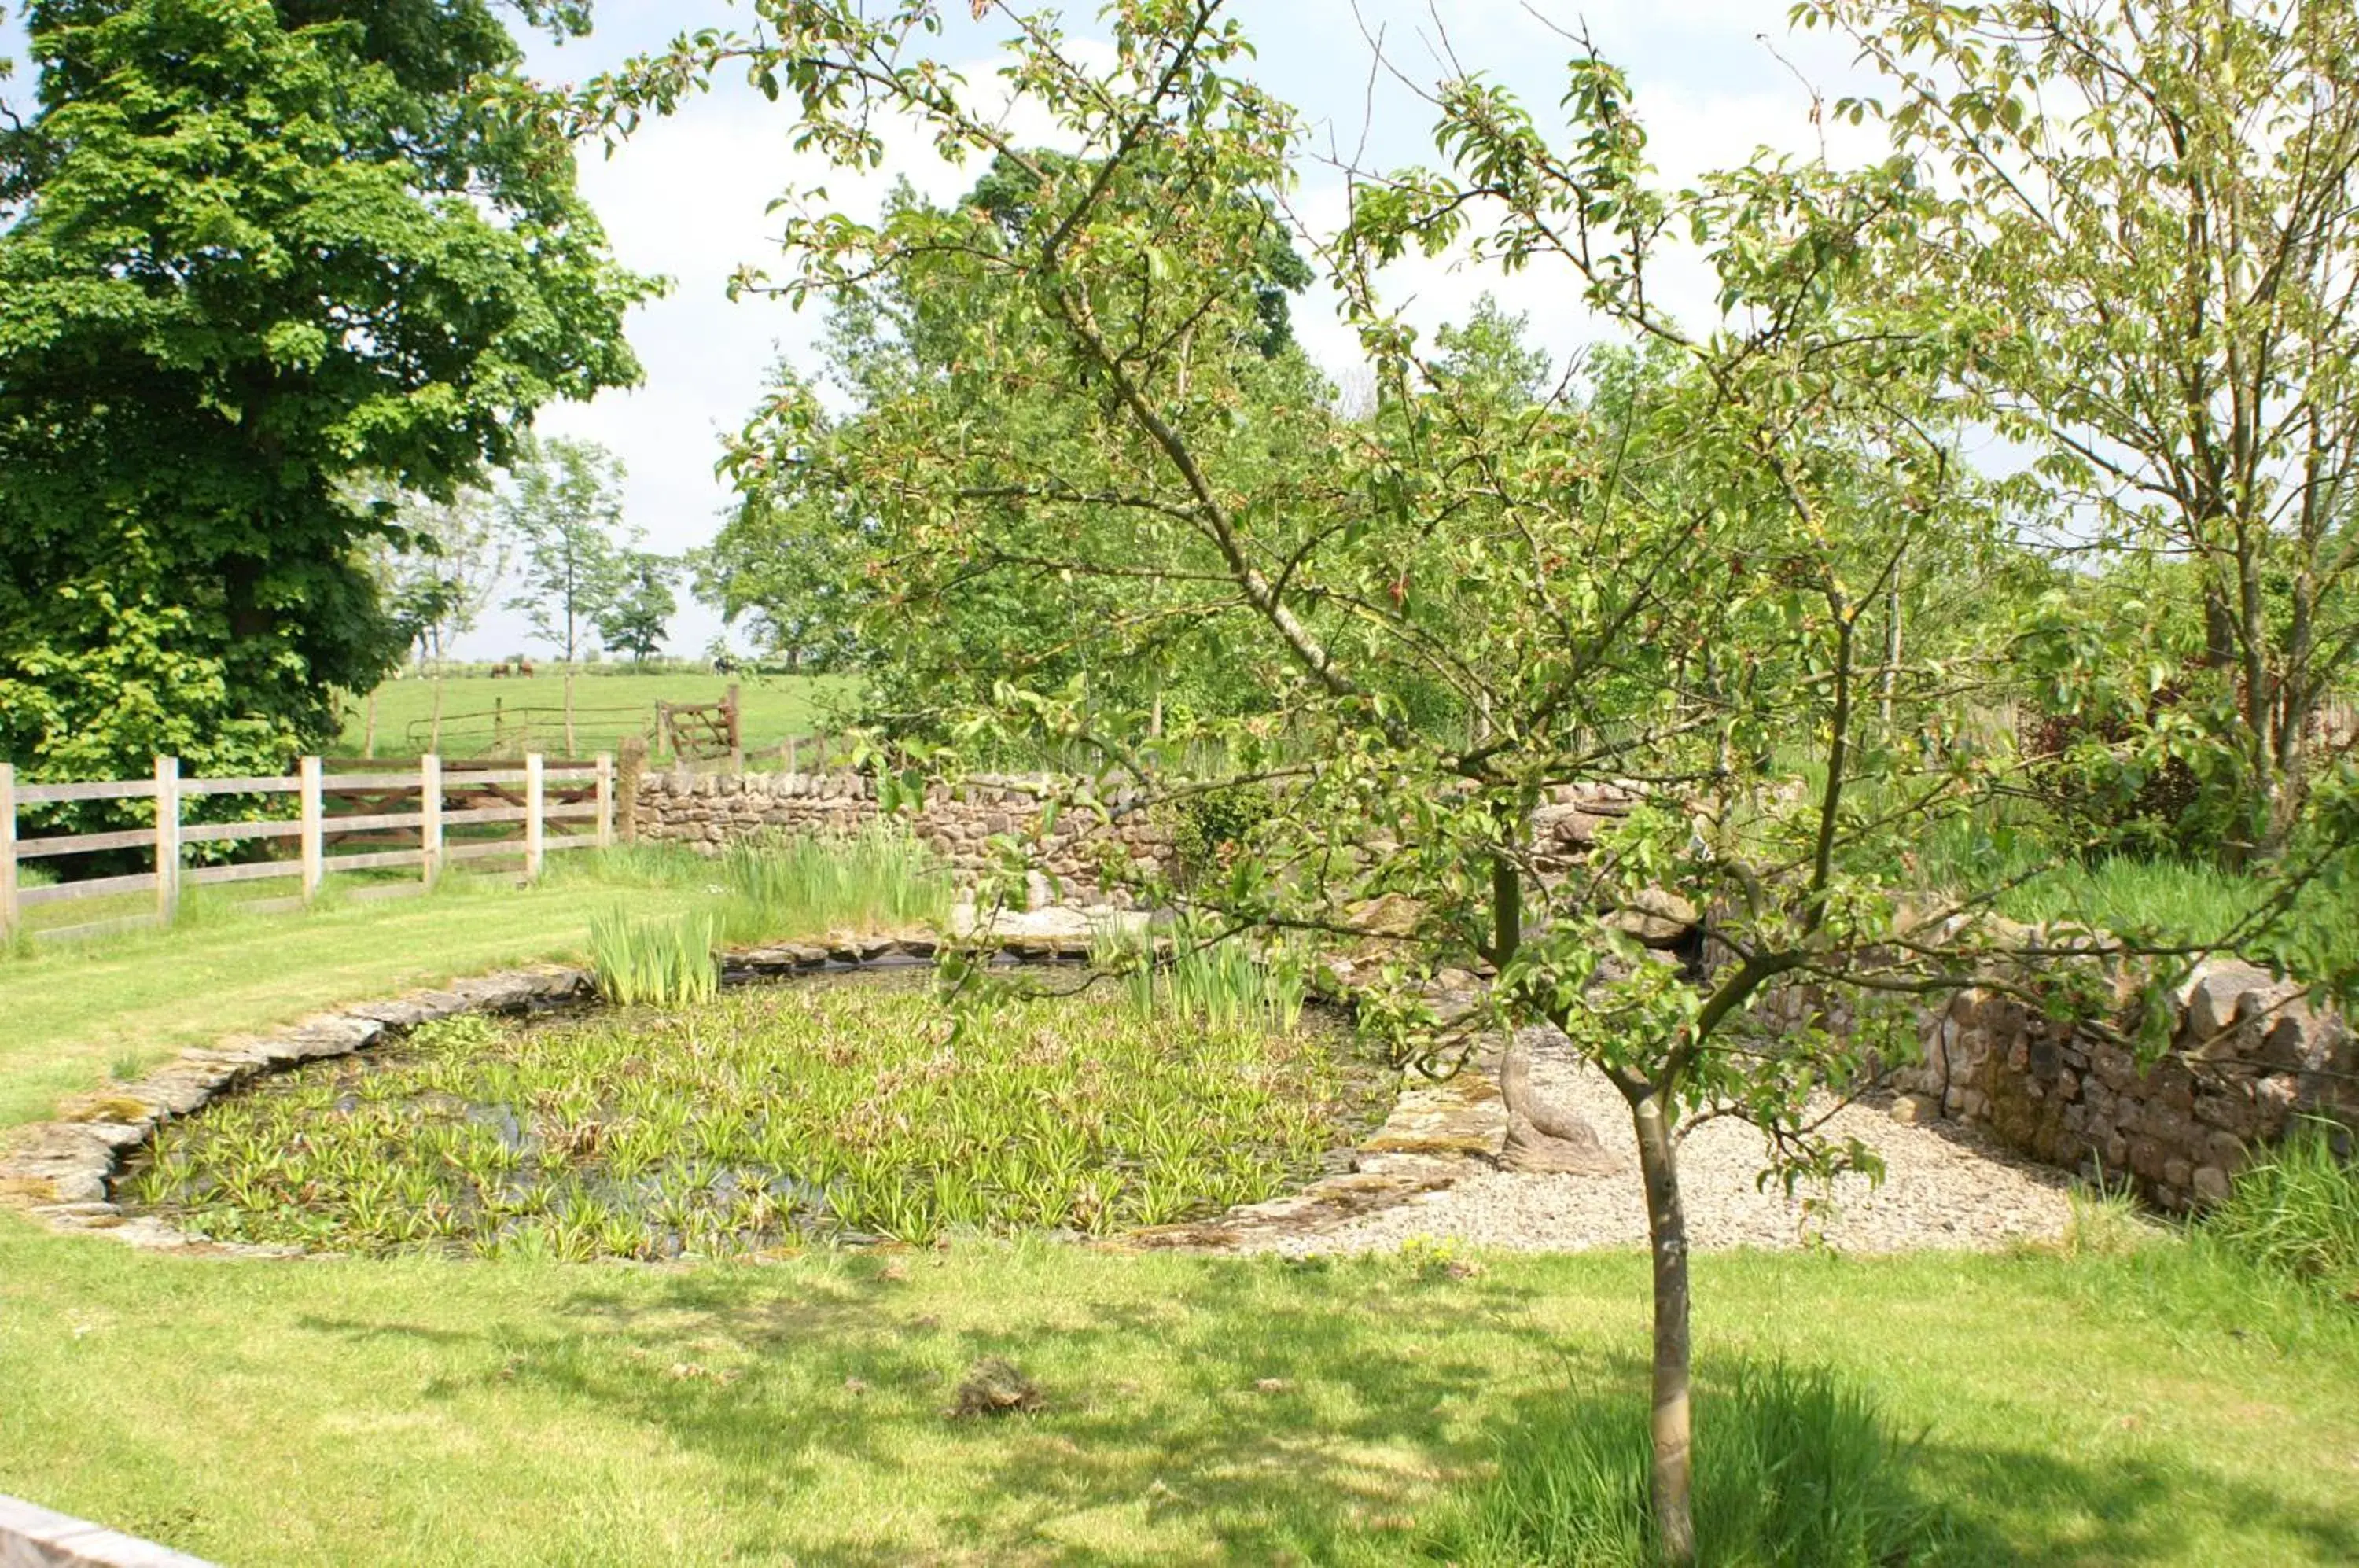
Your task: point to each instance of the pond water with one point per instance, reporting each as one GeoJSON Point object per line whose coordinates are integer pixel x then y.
{"type": "Point", "coordinates": [850, 1108]}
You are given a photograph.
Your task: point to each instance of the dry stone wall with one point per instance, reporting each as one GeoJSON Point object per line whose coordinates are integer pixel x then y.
{"type": "Point", "coordinates": [2249, 1056]}
{"type": "Point", "coordinates": [706, 812]}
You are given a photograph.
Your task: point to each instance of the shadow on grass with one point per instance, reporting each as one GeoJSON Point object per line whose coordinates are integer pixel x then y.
{"type": "Point", "coordinates": [1232, 1410]}
{"type": "Point", "coordinates": [1802, 1466]}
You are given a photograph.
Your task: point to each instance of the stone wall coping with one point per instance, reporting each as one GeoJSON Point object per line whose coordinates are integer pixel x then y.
{"type": "Point", "coordinates": [35, 1536]}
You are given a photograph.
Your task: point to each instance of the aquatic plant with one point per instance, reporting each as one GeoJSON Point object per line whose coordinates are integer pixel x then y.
{"type": "Point", "coordinates": [768, 1118]}
{"type": "Point", "coordinates": [663, 959]}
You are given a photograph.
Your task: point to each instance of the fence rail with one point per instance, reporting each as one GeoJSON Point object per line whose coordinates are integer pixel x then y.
{"type": "Point", "coordinates": [536, 796]}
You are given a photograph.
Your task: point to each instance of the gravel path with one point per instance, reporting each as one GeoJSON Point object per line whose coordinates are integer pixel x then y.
{"type": "Point", "coordinates": [1942, 1188]}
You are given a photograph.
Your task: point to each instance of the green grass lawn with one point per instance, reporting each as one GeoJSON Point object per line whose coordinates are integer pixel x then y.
{"type": "Point", "coordinates": [607, 706]}
{"type": "Point", "coordinates": [2159, 1407]}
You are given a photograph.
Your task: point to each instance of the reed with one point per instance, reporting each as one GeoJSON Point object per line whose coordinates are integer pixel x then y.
{"type": "Point", "coordinates": [664, 961]}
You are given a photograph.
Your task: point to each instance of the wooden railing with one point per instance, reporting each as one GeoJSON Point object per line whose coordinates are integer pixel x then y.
{"type": "Point", "coordinates": [525, 793]}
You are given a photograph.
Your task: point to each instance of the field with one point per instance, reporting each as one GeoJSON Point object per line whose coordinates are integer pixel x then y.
{"type": "Point", "coordinates": [527, 712]}
{"type": "Point", "coordinates": [2155, 1406]}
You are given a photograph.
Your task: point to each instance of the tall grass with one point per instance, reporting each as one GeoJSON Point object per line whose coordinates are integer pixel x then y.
{"type": "Point", "coordinates": [1220, 984]}
{"type": "Point", "coordinates": [1793, 1468]}
{"type": "Point", "coordinates": [2295, 1209]}
{"type": "Point", "coordinates": [662, 961]}
{"type": "Point", "coordinates": [880, 877]}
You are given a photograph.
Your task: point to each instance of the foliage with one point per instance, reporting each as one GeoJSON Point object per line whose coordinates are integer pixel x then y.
{"type": "Point", "coordinates": [249, 254]}
{"type": "Point", "coordinates": [1210, 827]}
{"type": "Point", "coordinates": [1205, 979]}
{"type": "Point", "coordinates": [666, 961]}
{"type": "Point", "coordinates": [1800, 1467]}
{"type": "Point", "coordinates": [436, 582]}
{"type": "Point", "coordinates": [805, 554]}
{"type": "Point", "coordinates": [636, 620]}
{"type": "Point", "coordinates": [2295, 1207]}
{"type": "Point", "coordinates": [2149, 250]}
{"type": "Point", "coordinates": [811, 1109]}
{"type": "Point", "coordinates": [564, 510]}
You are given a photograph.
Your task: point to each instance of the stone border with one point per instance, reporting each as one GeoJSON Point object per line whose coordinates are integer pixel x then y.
{"type": "Point", "coordinates": [61, 1172]}
{"type": "Point", "coordinates": [35, 1536]}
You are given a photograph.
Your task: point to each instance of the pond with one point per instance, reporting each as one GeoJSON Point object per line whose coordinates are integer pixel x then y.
{"type": "Point", "coordinates": [850, 1108]}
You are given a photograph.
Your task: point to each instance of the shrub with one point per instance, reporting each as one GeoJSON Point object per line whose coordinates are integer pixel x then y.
{"type": "Point", "coordinates": [1207, 829]}
{"type": "Point", "coordinates": [1793, 1468]}
{"type": "Point", "coordinates": [2295, 1209]}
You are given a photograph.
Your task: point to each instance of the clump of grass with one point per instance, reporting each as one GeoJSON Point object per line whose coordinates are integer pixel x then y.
{"type": "Point", "coordinates": [879, 877]}
{"type": "Point", "coordinates": [2103, 1222]}
{"type": "Point", "coordinates": [1792, 1468]}
{"type": "Point", "coordinates": [2295, 1209]}
{"type": "Point", "coordinates": [664, 962]}
{"type": "Point", "coordinates": [1220, 984]}
{"type": "Point", "coordinates": [765, 1119]}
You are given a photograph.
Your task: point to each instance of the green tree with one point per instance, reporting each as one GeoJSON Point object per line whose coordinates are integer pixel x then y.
{"type": "Point", "coordinates": [803, 556]}
{"type": "Point", "coordinates": [251, 253]}
{"type": "Point", "coordinates": [564, 509]}
{"type": "Point", "coordinates": [2152, 247]}
{"type": "Point", "coordinates": [1453, 612]}
{"type": "Point", "coordinates": [637, 619]}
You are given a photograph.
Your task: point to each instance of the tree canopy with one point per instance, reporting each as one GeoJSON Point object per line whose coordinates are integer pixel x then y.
{"type": "Point", "coordinates": [253, 250]}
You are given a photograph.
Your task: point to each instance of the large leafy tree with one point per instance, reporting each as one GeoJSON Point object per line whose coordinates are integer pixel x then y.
{"type": "Point", "coordinates": [2153, 230]}
{"type": "Point", "coordinates": [640, 614]}
{"type": "Point", "coordinates": [253, 250]}
{"type": "Point", "coordinates": [804, 557]}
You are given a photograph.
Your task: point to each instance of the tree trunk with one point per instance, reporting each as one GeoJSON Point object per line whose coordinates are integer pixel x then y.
{"type": "Point", "coordinates": [368, 731]}
{"type": "Point", "coordinates": [1673, 1424]}
{"type": "Point", "coordinates": [569, 750]}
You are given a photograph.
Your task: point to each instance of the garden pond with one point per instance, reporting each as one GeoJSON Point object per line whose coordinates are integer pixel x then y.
{"type": "Point", "coordinates": [849, 1108]}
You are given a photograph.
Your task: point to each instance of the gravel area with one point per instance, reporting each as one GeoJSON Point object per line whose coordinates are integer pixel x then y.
{"type": "Point", "coordinates": [1943, 1187]}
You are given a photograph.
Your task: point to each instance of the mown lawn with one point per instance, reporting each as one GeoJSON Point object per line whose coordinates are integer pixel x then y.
{"type": "Point", "coordinates": [2160, 1407]}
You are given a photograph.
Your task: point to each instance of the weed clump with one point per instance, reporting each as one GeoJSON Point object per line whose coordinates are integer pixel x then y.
{"type": "Point", "coordinates": [2296, 1210]}
{"type": "Point", "coordinates": [1793, 1466]}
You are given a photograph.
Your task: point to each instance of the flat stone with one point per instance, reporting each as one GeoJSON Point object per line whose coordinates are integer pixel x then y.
{"type": "Point", "coordinates": [1650, 931]}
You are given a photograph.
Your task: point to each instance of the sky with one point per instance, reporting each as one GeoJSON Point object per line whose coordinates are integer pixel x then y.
{"type": "Point", "coordinates": [686, 197]}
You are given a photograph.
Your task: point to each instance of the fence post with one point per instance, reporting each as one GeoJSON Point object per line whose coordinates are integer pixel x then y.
{"type": "Point", "coordinates": [736, 731]}
{"type": "Point", "coordinates": [7, 851]}
{"type": "Point", "coordinates": [606, 799]}
{"type": "Point", "coordinates": [532, 816]}
{"type": "Point", "coordinates": [626, 788]}
{"type": "Point", "coordinates": [314, 860]}
{"type": "Point", "coordinates": [168, 839]}
{"type": "Point", "coordinates": [793, 763]}
{"type": "Point", "coordinates": [429, 818]}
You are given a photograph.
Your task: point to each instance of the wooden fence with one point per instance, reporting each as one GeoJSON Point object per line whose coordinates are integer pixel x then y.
{"type": "Point", "coordinates": [583, 793]}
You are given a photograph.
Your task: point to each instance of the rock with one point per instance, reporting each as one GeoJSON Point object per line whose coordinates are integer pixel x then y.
{"type": "Point", "coordinates": [1650, 931]}
{"type": "Point", "coordinates": [2211, 1185]}
{"type": "Point", "coordinates": [1912, 1110]}
{"type": "Point", "coordinates": [2213, 996]}
{"type": "Point", "coordinates": [1544, 1138]}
